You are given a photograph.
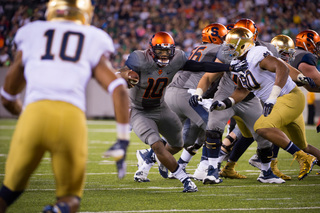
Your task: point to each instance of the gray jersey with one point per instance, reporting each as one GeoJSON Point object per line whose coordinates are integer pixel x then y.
{"type": "Point", "coordinates": [149, 92]}
{"type": "Point", "coordinates": [177, 96]}
{"type": "Point", "coordinates": [303, 56]}
{"type": "Point", "coordinates": [202, 53]}
{"type": "Point", "coordinates": [150, 115]}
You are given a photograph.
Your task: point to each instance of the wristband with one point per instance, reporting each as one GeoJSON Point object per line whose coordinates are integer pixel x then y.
{"type": "Point", "coordinates": [8, 96]}
{"type": "Point", "coordinates": [115, 83]}
{"type": "Point", "coordinates": [199, 92]}
{"type": "Point", "coordinates": [229, 102]}
{"type": "Point", "coordinates": [275, 92]}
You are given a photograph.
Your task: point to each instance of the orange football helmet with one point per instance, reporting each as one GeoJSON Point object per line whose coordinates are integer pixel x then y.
{"type": "Point", "coordinates": [229, 27]}
{"type": "Point", "coordinates": [214, 33]}
{"type": "Point", "coordinates": [162, 48]}
{"type": "Point", "coordinates": [249, 24]}
{"type": "Point", "coordinates": [309, 40]}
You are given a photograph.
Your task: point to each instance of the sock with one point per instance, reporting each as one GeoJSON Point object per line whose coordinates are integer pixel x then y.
{"type": "Point", "coordinates": [265, 166]}
{"type": "Point", "coordinates": [180, 174]}
{"type": "Point", "coordinates": [239, 148]}
{"type": "Point", "coordinates": [222, 155]}
{"type": "Point", "coordinates": [185, 156]}
{"type": "Point", "coordinates": [146, 166]}
{"type": "Point", "coordinates": [204, 152]}
{"type": "Point", "coordinates": [275, 151]}
{"type": "Point", "coordinates": [213, 162]}
{"type": "Point", "coordinates": [291, 148]}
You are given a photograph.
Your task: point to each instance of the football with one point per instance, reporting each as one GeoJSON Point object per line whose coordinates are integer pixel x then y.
{"type": "Point", "coordinates": [133, 77]}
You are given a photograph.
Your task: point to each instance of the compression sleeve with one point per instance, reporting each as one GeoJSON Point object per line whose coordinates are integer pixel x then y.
{"type": "Point", "coordinates": [211, 67]}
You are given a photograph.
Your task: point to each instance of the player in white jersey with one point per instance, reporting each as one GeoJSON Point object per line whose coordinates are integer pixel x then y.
{"type": "Point", "coordinates": [267, 77]}
{"type": "Point", "coordinates": [287, 52]}
{"type": "Point", "coordinates": [55, 60]}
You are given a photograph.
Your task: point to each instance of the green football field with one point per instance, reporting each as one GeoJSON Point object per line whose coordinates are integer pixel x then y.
{"type": "Point", "coordinates": [105, 193]}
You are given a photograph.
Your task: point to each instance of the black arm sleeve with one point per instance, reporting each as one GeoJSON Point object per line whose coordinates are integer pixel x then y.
{"type": "Point", "coordinates": [212, 67]}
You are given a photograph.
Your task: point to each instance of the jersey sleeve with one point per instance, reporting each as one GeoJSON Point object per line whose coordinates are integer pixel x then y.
{"type": "Point", "coordinates": [102, 45]}
{"type": "Point", "coordinates": [257, 54]}
{"type": "Point", "coordinates": [133, 61]}
{"type": "Point", "coordinates": [310, 59]}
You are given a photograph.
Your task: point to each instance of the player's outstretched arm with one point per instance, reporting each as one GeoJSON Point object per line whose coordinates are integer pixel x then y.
{"type": "Point", "coordinates": [117, 87]}
{"type": "Point", "coordinates": [13, 85]}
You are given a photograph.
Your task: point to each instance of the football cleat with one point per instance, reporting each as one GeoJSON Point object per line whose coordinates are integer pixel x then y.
{"type": "Point", "coordinates": [145, 155]}
{"type": "Point", "coordinates": [201, 172]}
{"type": "Point", "coordinates": [229, 172]}
{"type": "Point", "coordinates": [189, 186]}
{"type": "Point", "coordinates": [118, 152]}
{"type": "Point", "coordinates": [49, 209]}
{"type": "Point", "coordinates": [141, 176]}
{"type": "Point", "coordinates": [277, 172]}
{"type": "Point", "coordinates": [255, 161]}
{"type": "Point", "coordinates": [212, 176]}
{"type": "Point", "coordinates": [306, 163]}
{"type": "Point", "coordinates": [162, 169]}
{"type": "Point", "coordinates": [318, 173]}
{"type": "Point", "coordinates": [269, 177]}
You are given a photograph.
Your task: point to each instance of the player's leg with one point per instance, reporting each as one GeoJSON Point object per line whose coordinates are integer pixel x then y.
{"type": "Point", "coordinates": [24, 155]}
{"type": "Point", "coordinates": [287, 109]}
{"type": "Point", "coordinates": [68, 148]}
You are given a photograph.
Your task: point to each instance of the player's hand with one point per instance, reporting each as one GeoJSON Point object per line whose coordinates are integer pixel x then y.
{"type": "Point", "coordinates": [238, 66]}
{"type": "Point", "coordinates": [217, 105]}
{"type": "Point", "coordinates": [193, 101]}
{"type": "Point", "coordinates": [306, 80]}
{"type": "Point", "coordinates": [268, 106]}
{"type": "Point", "coordinates": [118, 151]}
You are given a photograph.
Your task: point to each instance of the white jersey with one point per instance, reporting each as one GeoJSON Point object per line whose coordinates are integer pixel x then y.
{"type": "Point", "coordinates": [58, 58]}
{"type": "Point", "coordinates": [258, 80]}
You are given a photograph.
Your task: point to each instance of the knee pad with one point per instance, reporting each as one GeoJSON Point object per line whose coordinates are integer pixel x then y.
{"type": "Point", "coordinates": [229, 147]}
{"type": "Point", "coordinates": [214, 139]}
{"type": "Point", "coordinates": [265, 154]}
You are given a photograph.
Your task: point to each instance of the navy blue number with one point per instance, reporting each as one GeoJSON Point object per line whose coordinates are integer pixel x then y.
{"type": "Point", "coordinates": [49, 56]}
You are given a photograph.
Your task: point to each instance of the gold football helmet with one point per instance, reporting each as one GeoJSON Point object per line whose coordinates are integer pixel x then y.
{"type": "Point", "coordinates": [239, 40]}
{"type": "Point", "coordinates": [214, 33]}
{"type": "Point", "coordinates": [78, 11]}
{"type": "Point", "coordinates": [285, 47]}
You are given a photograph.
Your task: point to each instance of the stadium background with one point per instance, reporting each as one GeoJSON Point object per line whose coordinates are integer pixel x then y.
{"type": "Point", "coordinates": [132, 22]}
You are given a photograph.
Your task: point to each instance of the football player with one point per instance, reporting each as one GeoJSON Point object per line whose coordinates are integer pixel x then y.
{"type": "Point", "coordinates": [267, 78]}
{"type": "Point", "coordinates": [241, 146]}
{"type": "Point", "coordinates": [53, 116]}
{"type": "Point", "coordinates": [288, 53]}
{"type": "Point", "coordinates": [150, 115]}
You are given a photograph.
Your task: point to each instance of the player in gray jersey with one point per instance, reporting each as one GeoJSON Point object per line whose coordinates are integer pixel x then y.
{"type": "Point", "coordinates": [177, 95]}
{"type": "Point", "coordinates": [150, 115]}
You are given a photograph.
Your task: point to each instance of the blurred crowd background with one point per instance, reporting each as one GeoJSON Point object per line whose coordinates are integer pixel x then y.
{"type": "Point", "coordinates": [131, 23]}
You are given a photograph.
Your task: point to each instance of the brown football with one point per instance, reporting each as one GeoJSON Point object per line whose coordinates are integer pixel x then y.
{"type": "Point", "coordinates": [133, 77]}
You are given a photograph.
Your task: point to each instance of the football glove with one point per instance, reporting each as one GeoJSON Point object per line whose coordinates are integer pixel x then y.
{"type": "Point", "coordinates": [306, 80]}
{"type": "Point", "coordinates": [268, 106]}
{"type": "Point", "coordinates": [221, 105]}
{"type": "Point", "coordinates": [193, 101]}
{"type": "Point", "coordinates": [118, 151]}
{"type": "Point", "coordinates": [238, 66]}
